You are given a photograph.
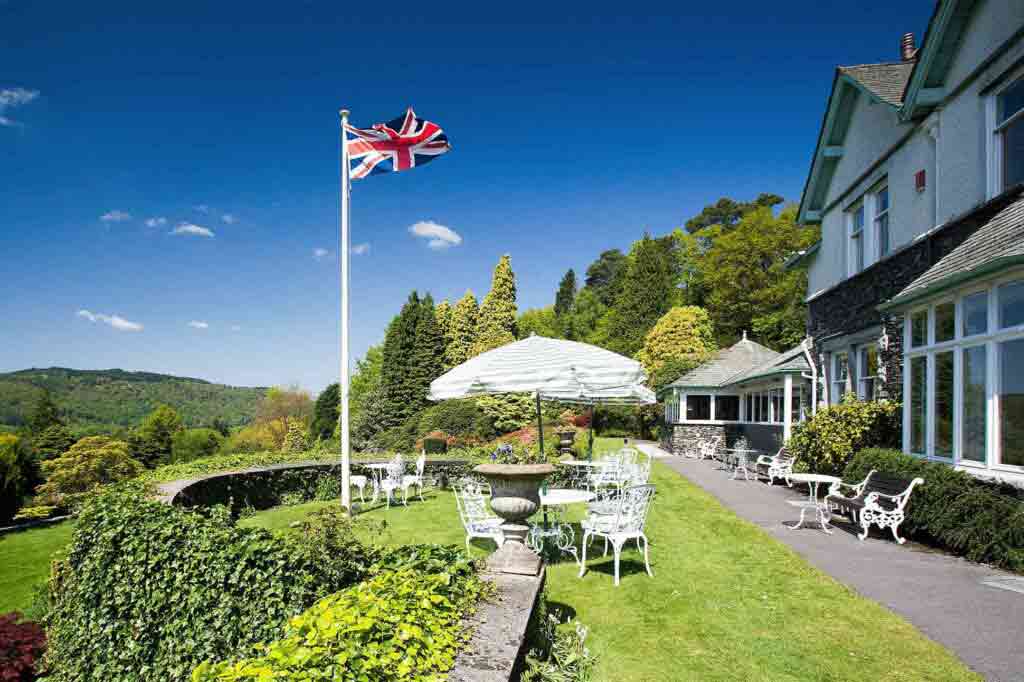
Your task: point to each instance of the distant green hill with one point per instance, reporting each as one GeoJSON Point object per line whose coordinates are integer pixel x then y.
{"type": "Point", "coordinates": [97, 400]}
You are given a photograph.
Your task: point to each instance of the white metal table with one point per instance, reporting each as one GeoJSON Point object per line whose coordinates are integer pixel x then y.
{"type": "Point", "coordinates": [556, 528]}
{"type": "Point", "coordinates": [377, 470]}
{"type": "Point", "coordinates": [812, 503]}
{"type": "Point", "coordinates": [742, 462]}
{"type": "Point", "coordinates": [582, 468]}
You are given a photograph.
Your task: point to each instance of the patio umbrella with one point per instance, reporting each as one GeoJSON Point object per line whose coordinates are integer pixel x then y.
{"type": "Point", "coordinates": [551, 369]}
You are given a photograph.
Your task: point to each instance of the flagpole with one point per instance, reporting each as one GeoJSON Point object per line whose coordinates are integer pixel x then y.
{"type": "Point", "coordinates": [346, 483]}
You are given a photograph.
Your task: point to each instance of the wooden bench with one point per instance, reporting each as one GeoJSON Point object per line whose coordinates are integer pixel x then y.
{"type": "Point", "coordinates": [879, 499]}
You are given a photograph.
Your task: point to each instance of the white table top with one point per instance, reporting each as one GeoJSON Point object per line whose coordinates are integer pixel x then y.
{"type": "Point", "coordinates": [377, 465]}
{"type": "Point", "coordinates": [741, 450]}
{"type": "Point", "coordinates": [579, 463]}
{"type": "Point", "coordinates": [558, 496]}
{"type": "Point", "coordinates": [814, 478]}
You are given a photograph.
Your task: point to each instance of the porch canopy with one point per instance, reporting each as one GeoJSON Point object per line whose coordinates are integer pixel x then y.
{"type": "Point", "coordinates": [551, 369]}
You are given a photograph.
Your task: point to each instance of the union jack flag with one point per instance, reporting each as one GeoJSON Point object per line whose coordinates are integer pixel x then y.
{"type": "Point", "coordinates": [399, 144]}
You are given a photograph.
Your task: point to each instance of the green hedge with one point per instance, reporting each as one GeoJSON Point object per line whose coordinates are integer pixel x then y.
{"type": "Point", "coordinates": [148, 591]}
{"type": "Point", "coordinates": [982, 521]}
{"type": "Point", "coordinates": [826, 442]}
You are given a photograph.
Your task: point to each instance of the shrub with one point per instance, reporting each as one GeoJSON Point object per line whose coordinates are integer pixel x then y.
{"type": "Point", "coordinates": [53, 442]}
{"type": "Point", "coordinates": [253, 438]}
{"type": "Point", "coordinates": [555, 655]}
{"type": "Point", "coordinates": [21, 646]}
{"type": "Point", "coordinates": [151, 443]}
{"type": "Point", "coordinates": [148, 591]}
{"type": "Point", "coordinates": [234, 462]}
{"type": "Point", "coordinates": [90, 463]}
{"type": "Point", "coordinates": [826, 442]}
{"type": "Point", "coordinates": [981, 520]}
{"type": "Point", "coordinates": [17, 474]}
{"type": "Point", "coordinates": [460, 418]}
{"type": "Point", "coordinates": [295, 438]}
{"type": "Point", "coordinates": [398, 625]}
{"type": "Point", "coordinates": [195, 443]}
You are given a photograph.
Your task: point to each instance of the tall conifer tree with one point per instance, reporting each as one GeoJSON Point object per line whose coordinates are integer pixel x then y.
{"type": "Point", "coordinates": [648, 292]}
{"type": "Point", "coordinates": [465, 316]}
{"type": "Point", "coordinates": [497, 324]}
{"type": "Point", "coordinates": [427, 356]}
{"type": "Point", "coordinates": [396, 382]}
{"type": "Point", "coordinates": [566, 294]}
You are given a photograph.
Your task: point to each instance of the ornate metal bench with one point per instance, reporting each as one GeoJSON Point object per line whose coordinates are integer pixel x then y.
{"type": "Point", "coordinates": [779, 465]}
{"type": "Point", "coordinates": [879, 499]}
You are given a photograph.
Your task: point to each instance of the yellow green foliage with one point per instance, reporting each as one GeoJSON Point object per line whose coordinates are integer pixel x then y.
{"type": "Point", "coordinates": [497, 325]}
{"type": "Point", "coordinates": [399, 625]}
{"type": "Point", "coordinates": [828, 441]}
{"type": "Point", "coordinates": [684, 333]}
{"type": "Point", "coordinates": [90, 463]}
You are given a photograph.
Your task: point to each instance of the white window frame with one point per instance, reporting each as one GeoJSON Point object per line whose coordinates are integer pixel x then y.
{"type": "Point", "coordinates": [876, 219]}
{"type": "Point", "coordinates": [840, 386]}
{"type": "Point", "coordinates": [862, 370]}
{"type": "Point", "coordinates": [994, 139]}
{"type": "Point", "coordinates": [990, 339]}
{"type": "Point", "coordinates": [855, 238]}
{"type": "Point", "coordinates": [868, 234]}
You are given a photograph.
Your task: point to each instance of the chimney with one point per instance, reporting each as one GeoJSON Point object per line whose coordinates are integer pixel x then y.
{"type": "Point", "coordinates": [907, 50]}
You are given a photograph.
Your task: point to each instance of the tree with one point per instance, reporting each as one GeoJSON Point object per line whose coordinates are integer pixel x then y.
{"type": "Point", "coordinates": [539, 321]}
{"type": "Point", "coordinates": [152, 442]}
{"type": "Point", "coordinates": [280, 408]}
{"type": "Point", "coordinates": [427, 356]}
{"type": "Point", "coordinates": [648, 291]}
{"type": "Point", "coordinates": [91, 462]}
{"type": "Point", "coordinates": [603, 275]}
{"type": "Point", "coordinates": [45, 414]}
{"type": "Point", "coordinates": [17, 474]}
{"type": "Point", "coordinates": [497, 325]}
{"type": "Point", "coordinates": [191, 444]}
{"type": "Point", "coordinates": [326, 413]}
{"type": "Point", "coordinates": [53, 442]}
{"type": "Point", "coordinates": [465, 317]}
{"type": "Point", "coordinates": [684, 334]}
{"type": "Point", "coordinates": [221, 426]}
{"type": "Point", "coordinates": [443, 311]}
{"type": "Point", "coordinates": [748, 285]}
{"type": "Point", "coordinates": [727, 213]}
{"type": "Point", "coordinates": [295, 439]}
{"type": "Point", "coordinates": [584, 320]}
{"type": "Point", "coordinates": [566, 294]}
{"type": "Point", "coordinates": [397, 380]}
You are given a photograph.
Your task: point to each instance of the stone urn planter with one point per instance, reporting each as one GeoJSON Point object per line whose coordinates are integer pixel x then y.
{"type": "Point", "coordinates": [515, 496]}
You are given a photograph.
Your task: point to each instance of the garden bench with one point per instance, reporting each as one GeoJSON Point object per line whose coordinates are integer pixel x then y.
{"type": "Point", "coordinates": [779, 465]}
{"type": "Point", "coordinates": [879, 499]}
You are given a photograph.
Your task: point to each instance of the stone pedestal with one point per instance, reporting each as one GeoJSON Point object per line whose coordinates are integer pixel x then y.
{"type": "Point", "coordinates": [515, 496]}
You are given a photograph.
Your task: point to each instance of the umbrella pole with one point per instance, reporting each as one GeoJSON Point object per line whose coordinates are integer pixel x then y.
{"type": "Point", "coordinates": [540, 425]}
{"type": "Point", "coordinates": [590, 439]}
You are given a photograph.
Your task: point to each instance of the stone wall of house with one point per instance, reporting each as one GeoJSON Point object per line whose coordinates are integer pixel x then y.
{"type": "Point", "coordinates": [852, 306]}
{"type": "Point", "coordinates": [685, 438]}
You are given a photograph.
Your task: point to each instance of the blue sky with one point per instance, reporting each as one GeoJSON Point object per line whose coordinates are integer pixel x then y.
{"type": "Point", "coordinates": [573, 131]}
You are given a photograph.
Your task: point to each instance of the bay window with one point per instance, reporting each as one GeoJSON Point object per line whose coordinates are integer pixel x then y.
{"type": "Point", "coordinates": [964, 378]}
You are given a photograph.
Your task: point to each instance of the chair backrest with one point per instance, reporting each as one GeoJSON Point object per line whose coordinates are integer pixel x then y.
{"type": "Point", "coordinates": [641, 472]}
{"type": "Point", "coordinates": [634, 503]}
{"type": "Point", "coordinates": [396, 469]}
{"type": "Point", "coordinates": [608, 473]}
{"type": "Point", "coordinates": [628, 455]}
{"type": "Point", "coordinates": [421, 463]}
{"type": "Point", "coordinates": [471, 502]}
{"type": "Point", "coordinates": [783, 456]}
{"type": "Point", "coordinates": [893, 486]}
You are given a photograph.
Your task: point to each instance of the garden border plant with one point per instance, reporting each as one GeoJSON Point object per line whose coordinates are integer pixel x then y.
{"type": "Point", "coordinates": [826, 442]}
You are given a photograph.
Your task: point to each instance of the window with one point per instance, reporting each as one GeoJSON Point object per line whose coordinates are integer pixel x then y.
{"type": "Point", "coordinates": [1011, 402]}
{"type": "Point", "coordinates": [750, 408]}
{"type": "Point", "coordinates": [964, 382]}
{"type": "Point", "coordinates": [882, 221]}
{"type": "Point", "coordinates": [672, 408]}
{"type": "Point", "coordinates": [776, 395]}
{"type": "Point", "coordinates": [840, 376]}
{"type": "Point", "coordinates": [974, 394]}
{"type": "Point", "coordinates": [975, 314]}
{"type": "Point", "coordinates": [762, 409]}
{"type": "Point", "coordinates": [918, 403]}
{"type": "Point", "coordinates": [727, 408]}
{"type": "Point", "coordinates": [698, 407]}
{"type": "Point", "coordinates": [1009, 131]}
{"type": "Point", "coordinates": [868, 375]}
{"type": "Point", "coordinates": [856, 240]}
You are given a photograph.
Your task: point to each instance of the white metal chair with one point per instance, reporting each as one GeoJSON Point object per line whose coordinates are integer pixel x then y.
{"type": "Point", "coordinates": [626, 522]}
{"type": "Point", "coordinates": [477, 519]}
{"type": "Point", "coordinates": [359, 481]}
{"type": "Point", "coordinates": [608, 474]}
{"type": "Point", "coordinates": [393, 477]}
{"type": "Point", "coordinates": [639, 472]}
{"type": "Point", "coordinates": [779, 465]}
{"type": "Point", "coordinates": [414, 480]}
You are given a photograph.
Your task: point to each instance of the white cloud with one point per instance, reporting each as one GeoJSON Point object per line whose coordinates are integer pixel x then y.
{"type": "Point", "coordinates": [115, 216]}
{"type": "Point", "coordinates": [236, 328]}
{"type": "Point", "coordinates": [115, 321]}
{"type": "Point", "coordinates": [361, 249]}
{"type": "Point", "coordinates": [202, 208]}
{"type": "Point", "coordinates": [159, 221]}
{"type": "Point", "coordinates": [229, 218]}
{"type": "Point", "coordinates": [192, 230]}
{"type": "Point", "coordinates": [14, 97]}
{"type": "Point", "coordinates": [320, 253]}
{"type": "Point", "coordinates": [438, 236]}
{"type": "Point", "coordinates": [196, 324]}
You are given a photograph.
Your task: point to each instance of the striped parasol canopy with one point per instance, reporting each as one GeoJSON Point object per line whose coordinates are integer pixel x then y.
{"type": "Point", "coordinates": [553, 369]}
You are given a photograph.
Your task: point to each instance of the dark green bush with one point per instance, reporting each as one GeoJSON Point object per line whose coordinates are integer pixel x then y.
{"type": "Point", "coordinates": [191, 444]}
{"type": "Point", "coordinates": [148, 591]}
{"type": "Point", "coordinates": [981, 520]}
{"type": "Point", "coordinates": [459, 418]}
{"type": "Point", "coordinates": [826, 442]}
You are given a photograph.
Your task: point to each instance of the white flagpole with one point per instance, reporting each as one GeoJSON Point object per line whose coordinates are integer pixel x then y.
{"type": "Point", "coordinates": [346, 483]}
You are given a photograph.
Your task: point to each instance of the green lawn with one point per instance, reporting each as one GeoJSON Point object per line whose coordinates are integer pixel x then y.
{"type": "Point", "coordinates": [727, 602]}
{"type": "Point", "coordinates": [25, 562]}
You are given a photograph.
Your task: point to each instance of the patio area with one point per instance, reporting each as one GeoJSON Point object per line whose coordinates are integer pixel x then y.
{"type": "Point", "coordinates": [944, 596]}
{"type": "Point", "coordinates": [727, 601]}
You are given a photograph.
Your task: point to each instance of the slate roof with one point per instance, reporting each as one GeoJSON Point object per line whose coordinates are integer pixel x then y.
{"type": "Point", "coordinates": [733, 361]}
{"type": "Point", "coordinates": [998, 243]}
{"type": "Point", "coordinates": [793, 361]}
{"type": "Point", "coordinates": [887, 81]}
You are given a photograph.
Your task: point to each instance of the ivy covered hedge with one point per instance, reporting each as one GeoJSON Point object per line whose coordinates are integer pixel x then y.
{"type": "Point", "coordinates": [148, 591]}
{"type": "Point", "coordinates": [980, 520]}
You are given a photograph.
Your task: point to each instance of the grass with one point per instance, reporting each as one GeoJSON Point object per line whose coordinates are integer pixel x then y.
{"type": "Point", "coordinates": [727, 602]}
{"type": "Point", "coordinates": [25, 562]}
